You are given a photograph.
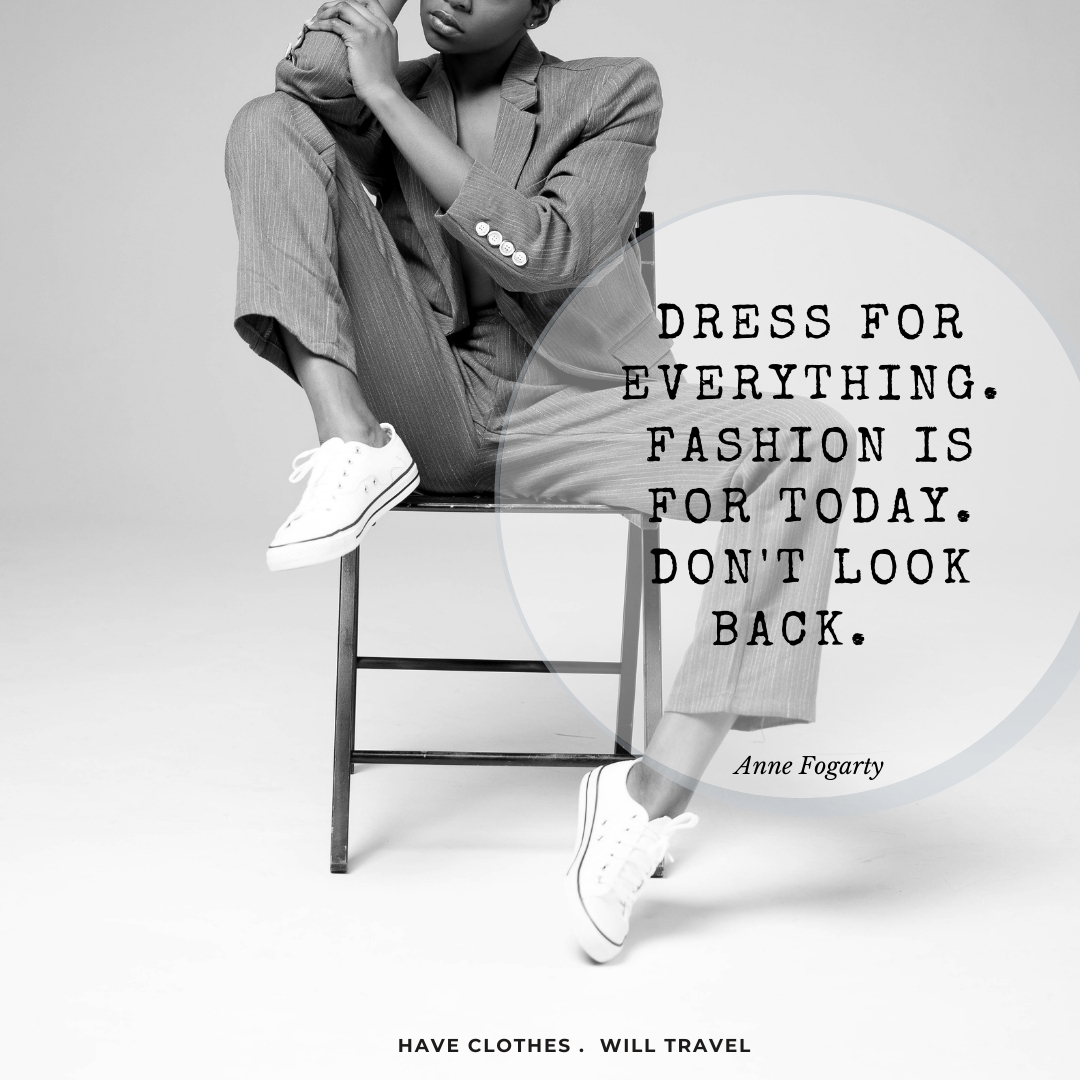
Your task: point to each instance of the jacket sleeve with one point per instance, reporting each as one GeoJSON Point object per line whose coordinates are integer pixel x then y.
{"type": "Point", "coordinates": [316, 71]}
{"type": "Point", "coordinates": [586, 208]}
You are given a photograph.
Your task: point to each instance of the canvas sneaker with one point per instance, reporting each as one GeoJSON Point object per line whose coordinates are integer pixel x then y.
{"type": "Point", "coordinates": [349, 487]}
{"type": "Point", "coordinates": [618, 848]}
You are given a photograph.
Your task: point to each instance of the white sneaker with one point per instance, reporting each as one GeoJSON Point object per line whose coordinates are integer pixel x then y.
{"type": "Point", "coordinates": [618, 848]}
{"type": "Point", "coordinates": [350, 487]}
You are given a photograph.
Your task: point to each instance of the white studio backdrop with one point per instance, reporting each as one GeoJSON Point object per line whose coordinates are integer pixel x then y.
{"type": "Point", "coordinates": [167, 704]}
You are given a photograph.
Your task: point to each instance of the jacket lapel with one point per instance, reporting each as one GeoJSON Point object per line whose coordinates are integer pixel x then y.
{"type": "Point", "coordinates": [517, 122]}
{"type": "Point", "coordinates": [514, 134]}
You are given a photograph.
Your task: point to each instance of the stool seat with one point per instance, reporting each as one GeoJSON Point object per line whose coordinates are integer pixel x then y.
{"type": "Point", "coordinates": [490, 502]}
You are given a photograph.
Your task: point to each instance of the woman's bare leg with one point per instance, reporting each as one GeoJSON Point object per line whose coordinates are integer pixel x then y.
{"type": "Point", "coordinates": [334, 394]}
{"type": "Point", "coordinates": [683, 743]}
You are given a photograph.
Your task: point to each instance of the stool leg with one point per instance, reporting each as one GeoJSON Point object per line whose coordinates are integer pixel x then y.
{"type": "Point", "coordinates": [624, 716]}
{"type": "Point", "coordinates": [345, 713]}
{"type": "Point", "coordinates": [653, 674]}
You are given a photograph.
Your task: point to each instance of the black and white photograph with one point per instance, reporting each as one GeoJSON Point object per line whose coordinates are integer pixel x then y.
{"type": "Point", "coordinates": [541, 539]}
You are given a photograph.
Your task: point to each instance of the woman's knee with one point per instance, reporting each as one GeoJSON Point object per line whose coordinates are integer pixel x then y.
{"type": "Point", "coordinates": [273, 123]}
{"type": "Point", "coordinates": [259, 120]}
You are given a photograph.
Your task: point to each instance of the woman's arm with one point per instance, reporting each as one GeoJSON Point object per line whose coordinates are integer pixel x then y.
{"type": "Point", "coordinates": [393, 8]}
{"type": "Point", "coordinates": [588, 203]}
{"type": "Point", "coordinates": [367, 29]}
{"type": "Point", "coordinates": [316, 71]}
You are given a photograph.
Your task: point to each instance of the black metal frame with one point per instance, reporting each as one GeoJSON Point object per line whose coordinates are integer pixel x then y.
{"type": "Point", "coordinates": [641, 608]}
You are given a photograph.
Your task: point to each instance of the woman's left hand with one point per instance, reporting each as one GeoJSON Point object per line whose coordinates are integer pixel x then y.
{"type": "Point", "coordinates": [371, 41]}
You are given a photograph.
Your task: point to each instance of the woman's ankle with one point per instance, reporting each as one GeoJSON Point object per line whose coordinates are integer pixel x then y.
{"type": "Point", "coordinates": [660, 795]}
{"type": "Point", "coordinates": [352, 429]}
{"type": "Point", "coordinates": [337, 402]}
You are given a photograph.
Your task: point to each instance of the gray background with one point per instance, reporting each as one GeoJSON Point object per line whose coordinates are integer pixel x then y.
{"type": "Point", "coordinates": [126, 391]}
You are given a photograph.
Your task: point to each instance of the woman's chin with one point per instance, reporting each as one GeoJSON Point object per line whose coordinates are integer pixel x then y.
{"type": "Point", "coordinates": [442, 44]}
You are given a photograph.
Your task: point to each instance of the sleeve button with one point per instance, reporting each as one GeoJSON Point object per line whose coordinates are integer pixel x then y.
{"type": "Point", "coordinates": [506, 248]}
{"type": "Point", "coordinates": [495, 238]}
{"type": "Point", "coordinates": [482, 228]}
{"type": "Point", "coordinates": [519, 258]}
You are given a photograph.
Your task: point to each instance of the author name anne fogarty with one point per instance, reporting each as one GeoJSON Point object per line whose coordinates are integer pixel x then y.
{"type": "Point", "coordinates": [812, 765]}
{"type": "Point", "coordinates": [726, 1045]}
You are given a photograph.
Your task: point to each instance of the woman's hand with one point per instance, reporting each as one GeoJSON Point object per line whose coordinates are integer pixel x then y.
{"type": "Point", "coordinates": [371, 41]}
{"type": "Point", "coordinates": [367, 29]}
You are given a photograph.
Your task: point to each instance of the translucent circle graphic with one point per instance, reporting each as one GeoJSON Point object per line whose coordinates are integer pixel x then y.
{"type": "Point", "coordinates": [903, 354]}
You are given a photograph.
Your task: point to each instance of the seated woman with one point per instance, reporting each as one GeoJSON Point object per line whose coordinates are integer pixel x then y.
{"type": "Point", "coordinates": [407, 231]}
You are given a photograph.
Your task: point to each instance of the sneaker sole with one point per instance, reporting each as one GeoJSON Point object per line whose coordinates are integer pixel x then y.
{"type": "Point", "coordinates": [327, 548]}
{"type": "Point", "coordinates": [597, 944]}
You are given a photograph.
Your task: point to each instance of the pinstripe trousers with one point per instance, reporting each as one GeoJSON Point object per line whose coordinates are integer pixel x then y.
{"type": "Point", "coordinates": [316, 257]}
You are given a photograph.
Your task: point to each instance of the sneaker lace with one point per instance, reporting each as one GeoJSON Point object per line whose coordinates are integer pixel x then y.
{"type": "Point", "coordinates": [635, 852]}
{"type": "Point", "coordinates": [316, 464]}
{"type": "Point", "coordinates": [302, 464]}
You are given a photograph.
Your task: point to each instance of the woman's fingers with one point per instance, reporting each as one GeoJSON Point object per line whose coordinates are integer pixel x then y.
{"type": "Point", "coordinates": [346, 20]}
{"type": "Point", "coordinates": [343, 8]}
{"type": "Point", "coordinates": [338, 9]}
{"type": "Point", "coordinates": [341, 17]}
{"type": "Point", "coordinates": [320, 24]}
{"type": "Point", "coordinates": [371, 13]}
{"type": "Point", "coordinates": [375, 10]}
{"type": "Point", "coordinates": [322, 14]}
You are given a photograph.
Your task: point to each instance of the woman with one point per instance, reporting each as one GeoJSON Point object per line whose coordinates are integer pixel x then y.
{"type": "Point", "coordinates": [407, 231]}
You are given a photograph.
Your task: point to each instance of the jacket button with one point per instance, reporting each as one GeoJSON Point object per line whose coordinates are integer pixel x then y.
{"type": "Point", "coordinates": [506, 248]}
{"type": "Point", "coordinates": [519, 258]}
{"type": "Point", "coordinates": [482, 228]}
{"type": "Point", "coordinates": [495, 238]}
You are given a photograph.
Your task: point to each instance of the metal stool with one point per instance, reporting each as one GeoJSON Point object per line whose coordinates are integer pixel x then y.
{"type": "Point", "coordinates": [641, 607]}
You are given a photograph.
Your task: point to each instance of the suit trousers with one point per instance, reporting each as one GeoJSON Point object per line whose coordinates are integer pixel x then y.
{"type": "Point", "coordinates": [316, 257]}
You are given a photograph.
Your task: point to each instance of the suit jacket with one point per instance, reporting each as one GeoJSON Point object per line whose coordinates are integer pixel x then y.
{"type": "Point", "coordinates": [565, 185]}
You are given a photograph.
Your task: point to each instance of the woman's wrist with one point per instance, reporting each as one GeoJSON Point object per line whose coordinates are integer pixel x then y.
{"type": "Point", "coordinates": [383, 98]}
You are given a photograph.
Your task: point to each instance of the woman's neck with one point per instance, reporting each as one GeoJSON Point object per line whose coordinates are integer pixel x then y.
{"type": "Point", "coordinates": [474, 73]}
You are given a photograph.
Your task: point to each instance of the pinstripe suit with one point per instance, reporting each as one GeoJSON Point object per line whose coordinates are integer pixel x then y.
{"type": "Point", "coordinates": [381, 292]}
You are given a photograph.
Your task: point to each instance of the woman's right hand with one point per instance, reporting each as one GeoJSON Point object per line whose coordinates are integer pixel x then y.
{"type": "Point", "coordinates": [391, 7]}
{"type": "Point", "coordinates": [370, 38]}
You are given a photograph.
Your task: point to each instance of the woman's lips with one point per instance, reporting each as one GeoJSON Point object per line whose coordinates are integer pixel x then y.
{"type": "Point", "coordinates": [442, 22]}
